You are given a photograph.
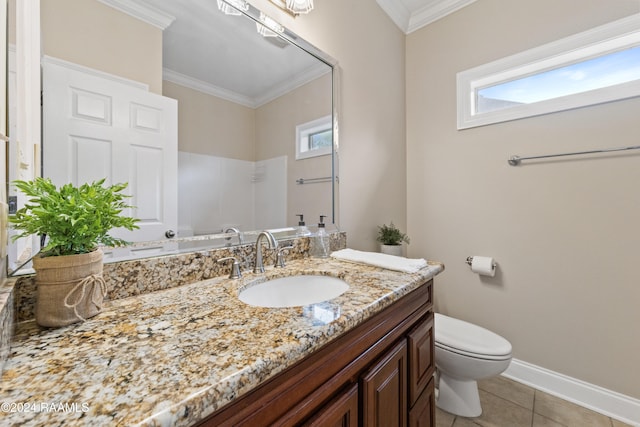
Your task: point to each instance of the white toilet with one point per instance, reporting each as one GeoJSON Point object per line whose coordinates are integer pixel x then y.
{"type": "Point", "coordinates": [466, 353]}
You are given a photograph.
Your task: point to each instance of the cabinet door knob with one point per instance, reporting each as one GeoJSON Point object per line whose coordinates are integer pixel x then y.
{"type": "Point", "coordinates": [170, 234]}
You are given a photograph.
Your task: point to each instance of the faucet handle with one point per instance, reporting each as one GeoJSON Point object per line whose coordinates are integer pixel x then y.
{"type": "Point", "coordinates": [280, 256]}
{"type": "Point", "coordinates": [235, 267]}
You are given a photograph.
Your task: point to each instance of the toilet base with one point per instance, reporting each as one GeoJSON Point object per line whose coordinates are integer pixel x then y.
{"type": "Point", "coordinates": [458, 397]}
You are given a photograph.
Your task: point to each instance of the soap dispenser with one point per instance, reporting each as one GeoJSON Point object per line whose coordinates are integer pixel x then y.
{"type": "Point", "coordinates": [302, 230]}
{"type": "Point", "coordinates": [320, 242]}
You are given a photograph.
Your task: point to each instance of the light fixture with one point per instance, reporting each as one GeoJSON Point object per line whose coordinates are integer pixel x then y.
{"type": "Point", "coordinates": [233, 7]}
{"type": "Point", "coordinates": [300, 6]}
{"type": "Point", "coordinates": [294, 7]}
{"type": "Point", "coordinates": [268, 27]}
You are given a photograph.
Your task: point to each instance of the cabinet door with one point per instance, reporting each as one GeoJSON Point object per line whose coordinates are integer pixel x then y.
{"type": "Point", "coordinates": [421, 360]}
{"type": "Point", "coordinates": [423, 413]}
{"type": "Point", "coordinates": [384, 390]}
{"type": "Point", "coordinates": [342, 411]}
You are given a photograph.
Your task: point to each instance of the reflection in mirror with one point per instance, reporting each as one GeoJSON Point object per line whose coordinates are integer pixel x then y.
{"type": "Point", "coordinates": [195, 108]}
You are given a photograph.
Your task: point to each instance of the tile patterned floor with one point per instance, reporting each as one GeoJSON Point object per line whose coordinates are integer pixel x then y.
{"type": "Point", "coordinates": [506, 403]}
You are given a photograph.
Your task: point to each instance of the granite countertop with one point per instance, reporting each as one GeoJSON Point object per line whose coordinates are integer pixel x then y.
{"type": "Point", "coordinates": [175, 356]}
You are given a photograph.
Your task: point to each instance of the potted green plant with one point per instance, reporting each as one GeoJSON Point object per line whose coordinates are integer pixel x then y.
{"type": "Point", "coordinates": [76, 221]}
{"type": "Point", "coordinates": [391, 239]}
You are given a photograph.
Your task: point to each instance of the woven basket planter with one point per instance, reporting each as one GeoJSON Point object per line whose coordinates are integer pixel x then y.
{"type": "Point", "coordinates": [69, 288]}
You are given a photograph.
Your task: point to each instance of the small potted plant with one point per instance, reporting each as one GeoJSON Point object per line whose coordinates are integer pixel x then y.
{"type": "Point", "coordinates": [391, 239]}
{"type": "Point", "coordinates": [76, 221]}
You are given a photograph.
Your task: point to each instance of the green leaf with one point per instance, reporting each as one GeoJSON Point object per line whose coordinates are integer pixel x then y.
{"type": "Point", "coordinates": [76, 219]}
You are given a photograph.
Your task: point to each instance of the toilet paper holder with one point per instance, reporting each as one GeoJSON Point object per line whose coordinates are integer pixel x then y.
{"type": "Point", "coordinates": [470, 261]}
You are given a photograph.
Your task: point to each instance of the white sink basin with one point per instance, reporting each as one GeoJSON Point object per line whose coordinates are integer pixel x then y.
{"type": "Point", "coordinates": [293, 291]}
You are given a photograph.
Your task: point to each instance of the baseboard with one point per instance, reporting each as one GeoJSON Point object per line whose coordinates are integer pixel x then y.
{"type": "Point", "coordinates": [607, 402]}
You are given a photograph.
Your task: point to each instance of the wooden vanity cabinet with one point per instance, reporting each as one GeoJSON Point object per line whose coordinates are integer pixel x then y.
{"type": "Point", "coordinates": [384, 389]}
{"type": "Point", "coordinates": [379, 373]}
{"type": "Point", "coordinates": [342, 411]}
{"type": "Point", "coordinates": [421, 382]}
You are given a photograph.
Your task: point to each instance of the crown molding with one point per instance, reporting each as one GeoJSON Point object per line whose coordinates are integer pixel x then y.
{"type": "Point", "coordinates": [204, 87]}
{"type": "Point", "coordinates": [409, 21]}
{"type": "Point", "coordinates": [397, 11]}
{"type": "Point", "coordinates": [297, 81]}
{"type": "Point", "coordinates": [435, 11]}
{"type": "Point", "coordinates": [142, 11]}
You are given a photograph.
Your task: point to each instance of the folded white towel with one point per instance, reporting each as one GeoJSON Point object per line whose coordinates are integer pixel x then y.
{"type": "Point", "coordinates": [390, 262]}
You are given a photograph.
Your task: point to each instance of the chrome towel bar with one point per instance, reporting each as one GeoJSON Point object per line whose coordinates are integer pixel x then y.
{"type": "Point", "coordinates": [515, 160]}
{"type": "Point", "coordinates": [313, 180]}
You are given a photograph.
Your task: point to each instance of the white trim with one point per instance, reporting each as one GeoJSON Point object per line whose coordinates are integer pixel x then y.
{"type": "Point", "coordinates": [302, 136]}
{"type": "Point", "coordinates": [581, 46]}
{"type": "Point", "coordinates": [409, 22]}
{"type": "Point", "coordinates": [432, 13]}
{"type": "Point", "coordinates": [142, 11]}
{"type": "Point", "coordinates": [596, 398]}
{"type": "Point", "coordinates": [204, 87]}
{"type": "Point", "coordinates": [300, 79]}
{"type": "Point", "coordinates": [398, 13]}
{"type": "Point", "coordinates": [28, 87]}
{"type": "Point", "coordinates": [97, 73]}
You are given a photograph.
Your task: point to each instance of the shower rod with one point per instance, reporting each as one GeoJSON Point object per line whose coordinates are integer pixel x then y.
{"type": "Point", "coordinates": [515, 160]}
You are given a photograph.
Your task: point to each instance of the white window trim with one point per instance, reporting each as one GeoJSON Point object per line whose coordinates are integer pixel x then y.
{"type": "Point", "coordinates": [302, 135]}
{"type": "Point", "coordinates": [579, 47]}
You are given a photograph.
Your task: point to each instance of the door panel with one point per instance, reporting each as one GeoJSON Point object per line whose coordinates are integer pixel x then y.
{"type": "Point", "coordinates": [384, 390]}
{"type": "Point", "coordinates": [99, 126]}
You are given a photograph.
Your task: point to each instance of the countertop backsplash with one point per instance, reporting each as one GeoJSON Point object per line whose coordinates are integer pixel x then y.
{"type": "Point", "coordinates": [136, 277]}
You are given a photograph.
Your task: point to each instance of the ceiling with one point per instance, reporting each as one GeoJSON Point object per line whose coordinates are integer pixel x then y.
{"type": "Point", "coordinates": [223, 55]}
{"type": "Point", "coordinates": [410, 15]}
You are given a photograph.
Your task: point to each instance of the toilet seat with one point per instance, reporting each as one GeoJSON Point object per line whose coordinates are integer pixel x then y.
{"type": "Point", "coordinates": [470, 340]}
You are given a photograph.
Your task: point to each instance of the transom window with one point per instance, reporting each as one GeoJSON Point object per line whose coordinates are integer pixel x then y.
{"type": "Point", "coordinates": [600, 65]}
{"type": "Point", "coordinates": [314, 138]}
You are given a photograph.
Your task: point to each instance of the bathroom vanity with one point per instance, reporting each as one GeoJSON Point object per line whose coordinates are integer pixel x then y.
{"type": "Point", "coordinates": [196, 355]}
{"type": "Point", "coordinates": [380, 372]}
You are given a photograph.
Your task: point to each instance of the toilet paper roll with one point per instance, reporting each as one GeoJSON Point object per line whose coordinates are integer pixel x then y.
{"type": "Point", "coordinates": [483, 265]}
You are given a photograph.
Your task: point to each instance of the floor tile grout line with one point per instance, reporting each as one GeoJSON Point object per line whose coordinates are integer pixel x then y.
{"type": "Point", "coordinates": [534, 413]}
{"type": "Point", "coordinates": [533, 408]}
{"type": "Point", "coordinates": [510, 401]}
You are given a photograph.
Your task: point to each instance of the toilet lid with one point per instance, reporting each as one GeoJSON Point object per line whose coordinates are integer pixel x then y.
{"type": "Point", "coordinates": [470, 339]}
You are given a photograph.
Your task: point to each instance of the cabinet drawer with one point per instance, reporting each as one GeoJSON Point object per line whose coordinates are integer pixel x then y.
{"type": "Point", "coordinates": [421, 357]}
{"type": "Point", "coordinates": [423, 412]}
{"type": "Point", "coordinates": [342, 411]}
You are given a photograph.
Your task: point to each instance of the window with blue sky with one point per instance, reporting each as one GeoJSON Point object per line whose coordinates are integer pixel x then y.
{"type": "Point", "coordinates": [597, 66]}
{"type": "Point", "coordinates": [603, 71]}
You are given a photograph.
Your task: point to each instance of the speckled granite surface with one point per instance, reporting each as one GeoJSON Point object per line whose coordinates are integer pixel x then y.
{"type": "Point", "coordinates": [174, 356]}
{"type": "Point", "coordinates": [7, 320]}
{"type": "Point", "coordinates": [140, 276]}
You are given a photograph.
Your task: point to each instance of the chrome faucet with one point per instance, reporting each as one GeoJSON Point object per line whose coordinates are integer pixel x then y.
{"type": "Point", "coordinates": [235, 230]}
{"type": "Point", "coordinates": [273, 244]}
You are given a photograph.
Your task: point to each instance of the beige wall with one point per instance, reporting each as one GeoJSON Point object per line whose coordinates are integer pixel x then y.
{"type": "Point", "coordinates": [370, 51]}
{"type": "Point", "coordinates": [565, 233]}
{"type": "Point", "coordinates": [276, 136]}
{"type": "Point", "coordinates": [74, 30]}
{"type": "Point", "coordinates": [211, 125]}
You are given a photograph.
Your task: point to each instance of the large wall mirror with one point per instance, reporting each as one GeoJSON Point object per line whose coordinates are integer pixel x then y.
{"type": "Point", "coordinates": [220, 119]}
